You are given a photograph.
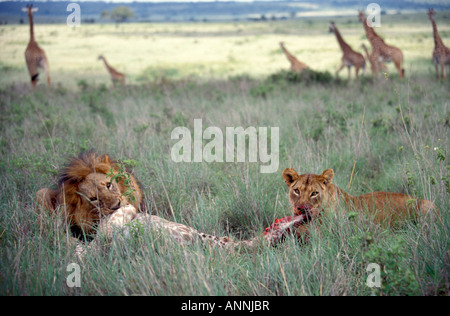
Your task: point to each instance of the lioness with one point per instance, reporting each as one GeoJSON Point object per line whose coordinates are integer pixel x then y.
{"type": "Point", "coordinates": [310, 194]}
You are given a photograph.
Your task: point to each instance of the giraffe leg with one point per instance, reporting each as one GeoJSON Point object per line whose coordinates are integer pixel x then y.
{"type": "Point", "coordinates": [47, 71]}
{"type": "Point", "coordinates": [348, 70]}
{"type": "Point", "coordinates": [444, 75]}
{"type": "Point", "coordinates": [398, 65]}
{"type": "Point", "coordinates": [376, 64]}
{"type": "Point", "coordinates": [32, 69]}
{"type": "Point", "coordinates": [340, 68]}
{"type": "Point", "coordinates": [376, 67]}
{"type": "Point", "coordinates": [437, 69]}
{"type": "Point", "coordinates": [357, 72]}
{"type": "Point", "coordinates": [34, 80]}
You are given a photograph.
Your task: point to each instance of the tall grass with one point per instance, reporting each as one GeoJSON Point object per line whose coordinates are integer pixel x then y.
{"type": "Point", "coordinates": [401, 146]}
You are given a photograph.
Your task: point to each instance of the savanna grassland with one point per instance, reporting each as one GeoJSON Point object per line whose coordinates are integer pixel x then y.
{"type": "Point", "coordinates": [387, 134]}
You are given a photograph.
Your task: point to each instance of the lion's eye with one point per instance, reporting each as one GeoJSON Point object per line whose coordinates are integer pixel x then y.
{"type": "Point", "coordinates": [93, 199]}
{"type": "Point", "coordinates": [314, 194]}
{"type": "Point", "coordinates": [108, 185]}
{"type": "Point", "coordinates": [296, 191]}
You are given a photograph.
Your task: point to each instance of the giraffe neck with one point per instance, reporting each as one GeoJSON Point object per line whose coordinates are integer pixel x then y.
{"type": "Point", "coordinates": [437, 38]}
{"type": "Point", "coordinates": [344, 46]}
{"type": "Point", "coordinates": [370, 33]}
{"type": "Point", "coordinates": [286, 51]}
{"type": "Point", "coordinates": [30, 16]}
{"type": "Point", "coordinates": [106, 64]}
{"type": "Point", "coordinates": [288, 54]}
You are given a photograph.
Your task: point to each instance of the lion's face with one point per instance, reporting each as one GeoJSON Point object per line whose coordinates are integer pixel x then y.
{"type": "Point", "coordinates": [86, 192]}
{"type": "Point", "coordinates": [309, 192]}
{"type": "Point", "coordinates": [99, 193]}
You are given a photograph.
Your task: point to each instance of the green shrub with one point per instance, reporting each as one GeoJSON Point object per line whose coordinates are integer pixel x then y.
{"type": "Point", "coordinates": [306, 76]}
{"type": "Point", "coordinates": [397, 277]}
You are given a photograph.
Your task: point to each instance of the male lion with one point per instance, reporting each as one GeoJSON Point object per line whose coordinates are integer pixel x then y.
{"type": "Point", "coordinates": [90, 186]}
{"type": "Point", "coordinates": [311, 194]}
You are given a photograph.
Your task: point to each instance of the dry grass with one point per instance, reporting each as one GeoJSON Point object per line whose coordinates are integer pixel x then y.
{"type": "Point", "coordinates": [207, 49]}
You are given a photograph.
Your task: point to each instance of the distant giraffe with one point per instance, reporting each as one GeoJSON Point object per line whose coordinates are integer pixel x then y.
{"type": "Point", "coordinates": [373, 63]}
{"type": "Point", "coordinates": [381, 52]}
{"type": "Point", "coordinates": [296, 65]}
{"type": "Point", "coordinates": [34, 55]}
{"type": "Point", "coordinates": [350, 57]}
{"type": "Point", "coordinates": [116, 76]}
{"type": "Point", "coordinates": [441, 53]}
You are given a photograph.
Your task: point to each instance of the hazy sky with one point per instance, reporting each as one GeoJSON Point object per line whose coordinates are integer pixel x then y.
{"type": "Point", "coordinates": [152, 0]}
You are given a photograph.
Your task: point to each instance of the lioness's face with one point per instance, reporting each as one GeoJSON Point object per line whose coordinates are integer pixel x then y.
{"type": "Point", "coordinates": [98, 191]}
{"type": "Point", "coordinates": [308, 192]}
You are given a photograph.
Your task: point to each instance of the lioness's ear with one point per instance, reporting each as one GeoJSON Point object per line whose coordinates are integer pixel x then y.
{"type": "Point", "coordinates": [289, 176]}
{"type": "Point", "coordinates": [328, 175]}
